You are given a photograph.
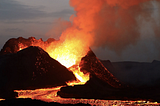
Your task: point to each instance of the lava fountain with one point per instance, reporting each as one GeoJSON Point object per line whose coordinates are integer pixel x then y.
{"type": "Point", "coordinates": [68, 53]}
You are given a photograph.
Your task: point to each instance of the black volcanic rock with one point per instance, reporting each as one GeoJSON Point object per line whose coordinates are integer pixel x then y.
{"type": "Point", "coordinates": [31, 68]}
{"type": "Point", "coordinates": [95, 88]}
{"type": "Point", "coordinates": [109, 66]}
{"type": "Point", "coordinates": [90, 63]}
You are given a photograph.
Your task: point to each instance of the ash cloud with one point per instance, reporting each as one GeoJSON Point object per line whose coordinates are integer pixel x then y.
{"type": "Point", "coordinates": [112, 23]}
{"type": "Point", "coordinates": [125, 28]}
{"type": "Point", "coordinates": [121, 27]}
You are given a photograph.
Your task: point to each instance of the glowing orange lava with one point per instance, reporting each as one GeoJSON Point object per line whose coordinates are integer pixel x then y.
{"type": "Point", "coordinates": [50, 95]}
{"type": "Point", "coordinates": [68, 53]}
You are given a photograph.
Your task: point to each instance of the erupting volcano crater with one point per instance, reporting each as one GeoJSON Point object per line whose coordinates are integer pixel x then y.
{"type": "Point", "coordinates": [32, 68]}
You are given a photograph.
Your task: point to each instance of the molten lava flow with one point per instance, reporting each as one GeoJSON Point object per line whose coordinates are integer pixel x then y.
{"type": "Point", "coordinates": [82, 78]}
{"type": "Point", "coordinates": [50, 95]}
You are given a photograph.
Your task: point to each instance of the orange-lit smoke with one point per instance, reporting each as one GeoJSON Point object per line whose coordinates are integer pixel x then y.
{"type": "Point", "coordinates": [114, 23]}
{"type": "Point", "coordinates": [109, 22]}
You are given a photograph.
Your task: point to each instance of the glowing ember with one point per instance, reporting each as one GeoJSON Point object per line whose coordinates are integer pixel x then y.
{"type": "Point", "coordinates": [21, 46]}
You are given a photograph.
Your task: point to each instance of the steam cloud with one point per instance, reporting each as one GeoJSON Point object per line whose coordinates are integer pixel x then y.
{"type": "Point", "coordinates": [112, 23]}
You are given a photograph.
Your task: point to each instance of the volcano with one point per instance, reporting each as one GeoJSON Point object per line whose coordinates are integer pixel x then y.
{"type": "Point", "coordinates": [30, 68]}
{"type": "Point", "coordinates": [25, 65]}
{"type": "Point", "coordinates": [32, 49]}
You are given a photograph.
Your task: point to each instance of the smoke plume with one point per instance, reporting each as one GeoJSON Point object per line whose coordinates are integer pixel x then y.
{"type": "Point", "coordinates": [111, 23]}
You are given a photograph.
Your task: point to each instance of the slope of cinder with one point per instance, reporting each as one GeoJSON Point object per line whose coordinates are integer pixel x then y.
{"type": "Point", "coordinates": [32, 68]}
{"type": "Point", "coordinates": [90, 63]}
